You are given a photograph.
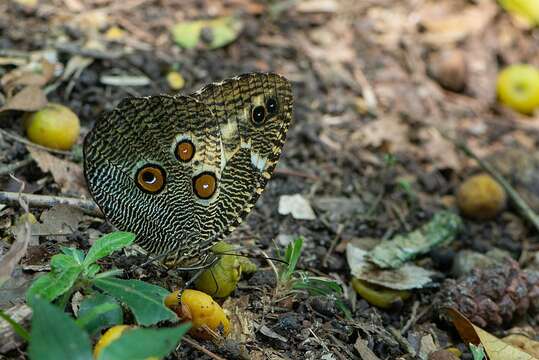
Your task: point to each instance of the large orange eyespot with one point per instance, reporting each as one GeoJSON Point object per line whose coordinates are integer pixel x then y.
{"type": "Point", "coordinates": [150, 178]}
{"type": "Point", "coordinates": [204, 185]}
{"type": "Point", "coordinates": [185, 150]}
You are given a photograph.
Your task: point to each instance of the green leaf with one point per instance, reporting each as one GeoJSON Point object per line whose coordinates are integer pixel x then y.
{"type": "Point", "coordinates": [292, 254]}
{"type": "Point", "coordinates": [146, 301]}
{"type": "Point", "coordinates": [144, 343]}
{"type": "Point", "coordinates": [53, 284]}
{"type": "Point", "coordinates": [55, 335]}
{"type": "Point", "coordinates": [99, 311]}
{"type": "Point", "coordinates": [61, 262]}
{"type": "Point", "coordinates": [478, 352]}
{"type": "Point", "coordinates": [108, 244]}
{"type": "Point", "coordinates": [187, 34]}
{"type": "Point", "coordinates": [77, 254]}
{"type": "Point", "coordinates": [91, 271]}
{"type": "Point", "coordinates": [19, 330]}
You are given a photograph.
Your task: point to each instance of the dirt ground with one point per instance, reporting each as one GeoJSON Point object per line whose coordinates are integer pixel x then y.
{"type": "Point", "coordinates": [377, 85]}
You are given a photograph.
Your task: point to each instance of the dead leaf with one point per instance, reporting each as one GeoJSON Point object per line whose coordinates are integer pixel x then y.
{"type": "Point", "coordinates": [524, 343]}
{"type": "Point", "coordinates": [241, 319]}
{"type": "Point", "coordinates": [59, 221]}
{"type": "Point", "coordinates": [387, 132]}
{"type": "Point", "coordinates": [317, 6]}
{"type": "Point", "coordinates": [450, 22]}
{"type": "Point", "coordinates": [16, 252]}
{"type": "Point", "coordinates": [440, 152]}
{"type": "Point", "coordinates": [67, 174]}
{"type": "Point", "coordinates": [21, 314]}
{"type": "Point", "coordinates": [406, 277]}
{"type": "Point", "coordinates": [30, 98]}
{"type": "Point", "coordinates": [495, 348]}
{"type": "Point", "coordinates": [364, 352]}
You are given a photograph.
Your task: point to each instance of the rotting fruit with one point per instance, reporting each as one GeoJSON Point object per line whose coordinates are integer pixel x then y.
{"type": "Point", "coordinates": [379, 296]}
{"type": "Point", "coordinates": [518, 87]}
{"type": "Point", "coordinates": [108, 337]}
{"type": "Point", "coordinates": [480, 197]}
{"type": "Point", "coordinates": [207, 317]}
{"type": "Point", "coordinates": [221, 279]}
{"type": "Point", "coordinates": [55, 126]}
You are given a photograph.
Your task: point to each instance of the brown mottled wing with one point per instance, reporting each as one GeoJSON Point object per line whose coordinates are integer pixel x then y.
{"type": "Point", "coordinates": [249, 152]}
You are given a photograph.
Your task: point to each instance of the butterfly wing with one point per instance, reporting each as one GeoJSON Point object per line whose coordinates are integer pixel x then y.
{"type": "Point", "coordinates": [250, 147]}
{"type": "Point", "coordinates": [182, 172]}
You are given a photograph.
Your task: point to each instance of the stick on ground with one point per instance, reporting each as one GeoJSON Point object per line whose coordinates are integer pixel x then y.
{"type": "Point", "coordinates": [46, 201]}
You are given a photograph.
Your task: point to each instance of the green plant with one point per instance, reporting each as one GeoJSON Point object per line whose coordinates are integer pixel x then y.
{"type": "Point", "coordinates": [291, 279]}
{"type": "Point", "coordinates": [55, 335]}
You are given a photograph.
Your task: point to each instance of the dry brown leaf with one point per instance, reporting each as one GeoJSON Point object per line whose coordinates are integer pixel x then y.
{"type": "Point", "coordinates": [364, 352]}
{"type": "Point", "coordinates": [241, 320]}
{"type": "Point", "coordinates": [495, 348]}
{"type": "Point", "coordinates": [67, 174]}
{"type": "Point", "coordinates": [30, 98]}
{"type": "Point", "coordinates": [524, 343]}
{"type": "Point", "coordinates": [8, 262]}
{"type": "Point", "coordinates": [440, 152]}
{"type": "Point", "coordinates": [450, 22]}
{"type": "Point", "coordinates": [58, 221]}
{"type": "Point", "coordinates": [387, 132]}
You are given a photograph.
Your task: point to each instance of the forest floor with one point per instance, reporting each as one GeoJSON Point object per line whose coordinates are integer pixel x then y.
{"type": "Point", "coordinates": [380, 88]}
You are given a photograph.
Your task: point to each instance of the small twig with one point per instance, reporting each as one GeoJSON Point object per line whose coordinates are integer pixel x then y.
{"type": "Point", "coordinates": [288, 172]}
{"type": "Point", "coordinates": [29, 143]}
{"type": "Point", "coordinates": [11, 168]}
{"type": "Point", "coordinates": [336, 238]}
{"type": "Point", "coordinates": [412, 319]}
{"type": "Point", "coordinates": [202, 349]}
{"type": "Point", "coordinates": [402, 341]}
{"type": "Point", "coordinates": [521, 205]}
{"type": "Point", "coordinates": [47, 201]}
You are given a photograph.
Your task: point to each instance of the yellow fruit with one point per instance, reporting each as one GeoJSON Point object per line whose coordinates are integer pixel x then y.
{"type": "Point", "coordinates": [203, 312]}
{"type": "Point", "coordinates": [518, 88]}
{"type": "Point", "coordinates": [175, 80]}
{"type": "Point", "coordinates": [222, 278]}
{"type": "Point", "coordinates": [108, 337]}
{"type": "Point", "coordinates": [54, 126]}
{"type": "Point", "coordinates": [379, 296]}
{"type": "Point", "coordinates": [481, 197]}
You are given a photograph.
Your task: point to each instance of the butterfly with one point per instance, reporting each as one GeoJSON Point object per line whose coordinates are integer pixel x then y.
{"type": "Point", "coordinates": [183, 171]}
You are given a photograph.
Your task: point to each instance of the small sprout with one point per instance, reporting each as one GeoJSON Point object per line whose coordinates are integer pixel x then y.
{"type": "Point", "coordinates": [221, 279]}
{"type": "Point", "coordinates": [379, 296]}
{"type": "Point", "coordinates": [55, 126]}
{"type": "Point", "coordinates": [481, 197]}
{"type": "Point", "coordinates": [207, 317]}
{"type": "Point", "coordinates": [518, 88]}
{"type": "Point", "coordinates": [108, 337]}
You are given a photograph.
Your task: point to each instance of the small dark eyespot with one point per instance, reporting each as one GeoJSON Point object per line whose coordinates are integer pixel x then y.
{"type": "Point", "coordinates": [271, 105]}
{"type": "Point", "coordinates": [258, 115]}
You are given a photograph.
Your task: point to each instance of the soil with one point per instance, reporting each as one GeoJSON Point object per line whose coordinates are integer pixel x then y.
{"type": "Point", "coordinates": [365, 147]}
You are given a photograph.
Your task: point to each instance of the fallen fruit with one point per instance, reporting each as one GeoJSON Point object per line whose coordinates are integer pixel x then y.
{"type": "Point", "coordinates": [108, 337]}
{"type": "Point", "coordinates": [55, 126]}
{"type": "Point", "coordinates": [207, 317]}
{"type": "Point", "coordinates": [481, 197]}
{"type": "Point", "coordinates": [175, 80]}
{"type": "Point", "coordinates": [221, 279]}
{"type": "Point", "coordinates": [518, 88]}
{"type": "Point", "coordinates": [379, 296]}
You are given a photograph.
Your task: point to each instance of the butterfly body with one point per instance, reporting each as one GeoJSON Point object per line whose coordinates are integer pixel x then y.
{"type": "Point", "coordinates": [182, 172]}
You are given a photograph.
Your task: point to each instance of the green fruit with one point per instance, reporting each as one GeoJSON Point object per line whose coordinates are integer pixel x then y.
{"type": "Point", "coordinates": [518, 88]}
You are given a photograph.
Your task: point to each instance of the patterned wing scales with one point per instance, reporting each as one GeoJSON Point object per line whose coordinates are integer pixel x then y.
{"type": "Point", "coordinates": [182, 172]}
{"type": "Point", "coordinates": [250, 148]}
